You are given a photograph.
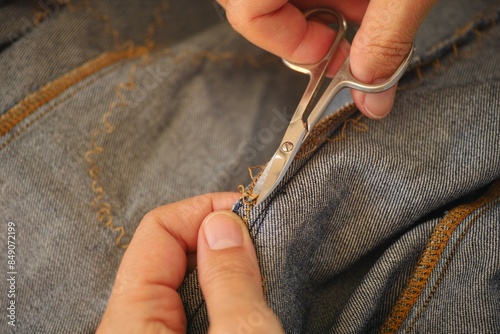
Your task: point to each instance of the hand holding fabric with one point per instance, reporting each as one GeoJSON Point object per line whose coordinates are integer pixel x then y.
{"type": "Point", "coordinates": [145, 299]}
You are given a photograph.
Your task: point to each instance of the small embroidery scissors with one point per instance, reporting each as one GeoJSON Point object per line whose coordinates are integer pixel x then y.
{"type": "Point", "coordinates": [306, 116]}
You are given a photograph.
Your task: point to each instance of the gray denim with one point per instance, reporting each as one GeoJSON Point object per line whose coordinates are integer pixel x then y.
{"type": "Point", "coordinates": [85, 155]}
{"type": "Point", "coordinates": [393, 225]}
{"type": "Point", "coordinates": [107, 111]}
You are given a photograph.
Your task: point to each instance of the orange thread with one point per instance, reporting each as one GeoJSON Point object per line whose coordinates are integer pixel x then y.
{"type": "Point", "coordinates": [319, 135]}
{"type": "Point", "coordinates": [447, 264]}
{"type": "Point", "coordinates": [104, 209]}
{"type": "Point", "coordinates": [34, 101]}
{"type": "Point", "coordinates": [247, 196]}
{"type": "Point", "coordinates": [429, 258]}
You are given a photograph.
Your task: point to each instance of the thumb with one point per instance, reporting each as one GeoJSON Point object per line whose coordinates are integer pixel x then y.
{"type": "Point", "coordinates": [230, 278]}
{"type": "Point", "coordinates": [383, 40]}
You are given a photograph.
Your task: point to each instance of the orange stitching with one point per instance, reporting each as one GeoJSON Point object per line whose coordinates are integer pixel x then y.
{"type": "Point", "coordinates": [103, 207]}
{"type": "Point", "coordinates": [34, 101]}
{"type": "Point", "coordinates": [247, 196]}
{"type": "Point", "coordinates": [320, 132]}
{"type": "Point", "coordinates": [432, 253]}
{"type": "Point", "coordinates": [447, 264]}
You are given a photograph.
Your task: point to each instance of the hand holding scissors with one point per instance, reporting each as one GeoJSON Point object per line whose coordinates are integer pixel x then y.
{"type": "Point", "coordinates": [387, 30]}
{"type": "Point", "coordinates": [307, 114]}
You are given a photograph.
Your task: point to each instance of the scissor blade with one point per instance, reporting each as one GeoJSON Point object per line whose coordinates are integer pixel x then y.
{"type": "Point", "coordinates": [281, 160]}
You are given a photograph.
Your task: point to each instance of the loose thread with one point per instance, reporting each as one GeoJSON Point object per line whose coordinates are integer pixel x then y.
{"type": "Point", "coordinates": [248, 198]}
{"type": "Point", "coordinates": [320, 133]}
{"type": "Point", "coordinates": [104, 209]}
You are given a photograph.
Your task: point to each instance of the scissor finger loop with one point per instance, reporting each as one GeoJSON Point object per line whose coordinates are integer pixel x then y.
{"type": "Point", "coordinates": [307, 115]}
{"type": "Point", "coordinates": [320, 67]}
{"type": "Point", "coordinates": [317, 71]}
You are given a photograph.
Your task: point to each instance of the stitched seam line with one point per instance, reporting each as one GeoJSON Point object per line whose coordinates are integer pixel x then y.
{"type": "Point", "coordinates": [448, 261]}
{"type": "Point", "coordinates": [429, 258]}
{"type": "Point", "coordinates": [469, 32]}
{"type": "Point", "coordinates": [104, 209]}
{"type": "Point", "coordinates": [318, 137]}
{"type": "Point", "coordinates": [40, 115]}
{"type": "Point", "coordinates": [48, 92]}
{"type": "Point", "coordinates": [459, 38]}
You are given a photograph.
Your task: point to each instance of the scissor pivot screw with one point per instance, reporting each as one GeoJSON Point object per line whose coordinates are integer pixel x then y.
{"type": "Point", "coordinates": [286, 147]}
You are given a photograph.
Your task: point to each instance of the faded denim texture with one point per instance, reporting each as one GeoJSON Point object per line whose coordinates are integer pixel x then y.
{"type": "Point", "coordinates": [393, 225]}
{"type": "Point", "coordinates": [118, 130]}
{"type": "Point", "coordinates": [367, 235]}
{"type": "Point", "coordinates": [108, 111]}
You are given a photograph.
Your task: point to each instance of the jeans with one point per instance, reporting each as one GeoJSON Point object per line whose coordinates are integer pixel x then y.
{"type": "Point", "coordinates": [392, 226]}
{"type": "Point", "coordinates": [109, 109]}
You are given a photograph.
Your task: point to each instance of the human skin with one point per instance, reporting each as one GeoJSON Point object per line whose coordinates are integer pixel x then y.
{"type": "Point", "coordinates": [388, 28]}
{"type": "Point", "coordinates": [171, 241]}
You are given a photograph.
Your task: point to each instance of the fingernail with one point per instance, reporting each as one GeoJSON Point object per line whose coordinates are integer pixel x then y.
{"type": "Point", "coordinates": [222, 231]}
{"type": "Point", "coordinates": [380, 104]}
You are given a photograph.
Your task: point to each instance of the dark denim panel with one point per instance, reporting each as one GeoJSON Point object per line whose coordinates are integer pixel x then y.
{"type": "Point", "coordinates": [80, 171]}
{"type": "Point", "coordinates": [341, 237]}
{"type": "Point", "coordinates": [86, 165]}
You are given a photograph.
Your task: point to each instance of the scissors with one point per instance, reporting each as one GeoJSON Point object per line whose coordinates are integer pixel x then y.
{"type": "Point", "coordinates": [306, 116]}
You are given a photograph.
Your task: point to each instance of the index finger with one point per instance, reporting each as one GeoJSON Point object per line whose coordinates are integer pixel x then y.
{"type": "Point", "coordinates": [157, 252]}
{"type": "Point", "coordinates": [153, 267]}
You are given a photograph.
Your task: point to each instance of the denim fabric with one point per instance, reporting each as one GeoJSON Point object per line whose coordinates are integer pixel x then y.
{"type": "Point", "coordinates": [395, 228]}
{"type": "Point", "coordinates": [96, 131]}
{"type": "Point", "coordinates": [94, 136]}
{"type": "Point", "coordinates": [367, 235]}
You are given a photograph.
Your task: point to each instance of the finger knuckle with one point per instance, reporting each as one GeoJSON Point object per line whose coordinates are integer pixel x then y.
{"type": "Point", "coordinates": [383, 52]}
{"type": "Point", "coordinates": [148, 218]}
{"type": "Point", "coordinates": [229, 270]}
{"type": "Point", "coordinates": [234, 16]}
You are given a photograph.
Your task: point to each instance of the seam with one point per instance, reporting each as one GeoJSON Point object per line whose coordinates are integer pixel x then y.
{"type": "Point", "coordinates": [439, 239]}
{"type": "Point", "coordinates": [320, 133]}
{"type": "Point", "coordinates": [103, 207]}
{"type": "Point", "coordinates": [319, 136]}
{"type": "Point", "coordinates": [448, 261]}
{"type": "Point", "coordinates": [469, 33]}
{"type": "Point", "coordinates": [48, 92]}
